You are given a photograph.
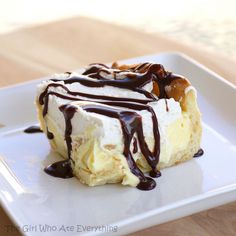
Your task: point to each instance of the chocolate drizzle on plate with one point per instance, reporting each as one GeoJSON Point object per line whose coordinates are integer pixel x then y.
{"type": "Point", "coordinates": [60, 169]}
{"type": "Point", "coordinates": [199, 153]}
{"type": "Point", "coordinates": [33, 129]}
{"type": "Point", "coordinates": [121, 108]}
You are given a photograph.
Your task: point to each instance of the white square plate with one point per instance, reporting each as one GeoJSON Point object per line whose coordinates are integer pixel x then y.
{"type": "Point", "coordinates": [34, 199]}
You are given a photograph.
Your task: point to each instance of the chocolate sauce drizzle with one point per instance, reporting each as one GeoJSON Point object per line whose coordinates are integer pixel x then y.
{"type": "Point", "coordinates": [50, 135]}
{"type": "Point", "coordinates": [33, 129]}
{"type": "Point", "coordinates": [135, 146]}
{"type": "Point", "coordinates": [199, 153]}
{"type": "Point", "coordinates": [120, 108]}
{"type": "Point", "coordinates": [60, 169]}
{"type": "Point", "coordinates": [36, 129]}
{"type": "Point", "coordinates": [167, 107]}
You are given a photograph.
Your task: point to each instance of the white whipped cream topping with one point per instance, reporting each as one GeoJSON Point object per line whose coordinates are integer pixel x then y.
{"type": "Point", "coordinates": [106, 90]}
{"type": "Point", "coordinates": [106, 129]}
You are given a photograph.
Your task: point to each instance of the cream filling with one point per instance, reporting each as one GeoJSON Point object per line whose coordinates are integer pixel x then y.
{"type": "Point", "coordinates": [96, 164]}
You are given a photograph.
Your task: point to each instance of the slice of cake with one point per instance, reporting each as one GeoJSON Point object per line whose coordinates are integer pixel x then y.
{"type": "Point", "coordinates": [113, 124]}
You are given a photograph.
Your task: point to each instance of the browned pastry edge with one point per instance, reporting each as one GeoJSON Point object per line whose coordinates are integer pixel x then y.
{"type": "Point", "coordinates": [176, 89]}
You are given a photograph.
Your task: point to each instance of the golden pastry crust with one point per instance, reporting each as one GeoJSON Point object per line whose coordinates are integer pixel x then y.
{"type": "Point", "coordinates": [176, 89]}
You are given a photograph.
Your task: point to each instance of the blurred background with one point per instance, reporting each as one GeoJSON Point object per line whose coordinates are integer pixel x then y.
{"type": "Point", "coordinates": [205, 23]}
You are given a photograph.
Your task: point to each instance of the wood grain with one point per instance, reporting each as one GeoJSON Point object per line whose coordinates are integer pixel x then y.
{"type": "Point", "coordinates": [69, 44]}
{"type": "Point", "coordinates": [218, 221]}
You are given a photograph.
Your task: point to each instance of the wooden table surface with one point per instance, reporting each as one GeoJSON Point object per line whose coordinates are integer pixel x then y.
{"type": "Point", "coordinates": [66, 45]}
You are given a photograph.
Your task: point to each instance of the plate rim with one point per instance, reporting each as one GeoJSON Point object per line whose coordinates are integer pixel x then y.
{"type": "Point", "coordinates": [167, 53]}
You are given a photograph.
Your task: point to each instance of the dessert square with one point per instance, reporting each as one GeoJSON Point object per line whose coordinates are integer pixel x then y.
{"type": "Point", "coordinates": [115, 124]}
